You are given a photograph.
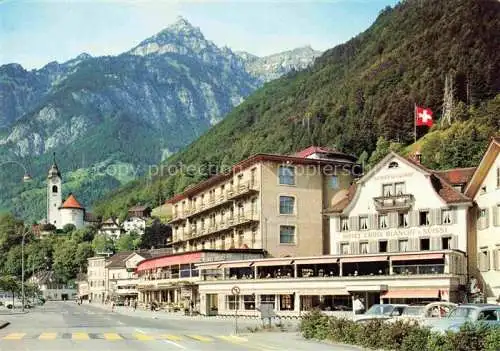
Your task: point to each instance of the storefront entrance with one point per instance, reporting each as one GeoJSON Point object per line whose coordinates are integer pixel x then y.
{"type": "Point", "coordinates": [212, 303]}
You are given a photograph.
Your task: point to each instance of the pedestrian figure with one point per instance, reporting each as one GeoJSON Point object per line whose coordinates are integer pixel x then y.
{"type": "Point", "coordinates": [358, 306]}
{"type": "Point", "coordinates": [113, 306]}
{"type": "Point", "coordinates": [135, 305]}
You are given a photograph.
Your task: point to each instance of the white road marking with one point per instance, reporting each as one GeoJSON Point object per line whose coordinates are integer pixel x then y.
{"type": "Point", "coordinates": [175, 344]}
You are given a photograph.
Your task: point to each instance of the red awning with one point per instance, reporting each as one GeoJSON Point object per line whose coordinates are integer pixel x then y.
{"type": "Point", "coordinates": [412, 293]}
{"type": "Point", "coordinates": [363, 259]}
{"type": "Point", "coordinates": [171, 260]}
{"type": "Point", "coordinates": [415, 257]}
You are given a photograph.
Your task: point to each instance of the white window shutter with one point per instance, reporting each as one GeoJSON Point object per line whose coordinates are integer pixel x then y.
{"type": "Point", "coordinates": [435, 243]}
{"type": "Point", "coordinates": [392, 245]}
{"type": "Point", "coordinates": [354, 247]}
{"type": "Point", "coordinates": [454, 215]}
{"type": "Point", "coordinates": [413, 218]}
{"type": "Point", "coordinates": [495, 258]}
{"type": "Point", "coordinates": [454, 242]}
{"type": "Point", "coordinates": [354, 223]}
{"type": "Point", "coordinates": [487, 218]}
{"type": "Point", "coordinates": [437, 216]}
{"type": "Point", "coordinates": [495, 210]}
{"type": "Point", "coordinates": [393, 219]}
{"type": "Point", "coordinates": [413, 244]}
{"type": "Point", "coordinates": [373, 221]}
{"type": "Point", "coordinates": [338, 249]}
{"type": "Point", "coordinates": [373, 246]}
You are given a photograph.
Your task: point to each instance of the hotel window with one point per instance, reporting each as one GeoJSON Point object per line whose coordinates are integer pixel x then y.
{"type": "Point", "coordinates": [403, 245]}
{"type": "Point", "coordinates": [344, 224]}
{"type": "Point", "coordinates": [233, 302]}
{"type": "Point", "coordinates": [403, 220]}
{"type": "Point", "coordinates": [400, 188]}
{"type": "Point", "coordinates": [286, 175]}
{"type": "Point", "coordinates": [446, 216]}
{"type": "Point", "coordinates": [241, 210]}
{"type": "Point", "coordinates": [446, 243]}
{"type": "Point", "coordinates": [424, 218]}
{"type": "Point", "coordinates": [253, 171]}
{"type": "Point", "coordinates": [287, 234]}
{"type": "Point", "coordinates": [425, 244]}
{"type": "Point", "coordinates": [268, 300]}
{"type": "Point", "coordinates": [286, 302]}
{"type": "Point", "coordinates": [382, 246]}
{"type": "Point", "coordinates": [382, 221]}
{"type": "Point", "coordinates": [334, 182]}
{"type": "Point", "coordinates": [363, 248]}
{"type": "Point", "coordinates": [363, 223]}
{"type": "Point", "coordinates": [232, 241]}
{"type": "Point", "coordinates": [484, 260]}
{"type": "Point", "coordinates": [344, 248]}
{"type": "Point", "coordinates": [249, 302]}
{"type": "Point", "coordinates": [203, 223]}
{"type": "Point", "coordinates": [223, 242]}
{"type": "Point", "coordinates": [254, 235]}
{"type": "Point", "coordinates": [498, 177]}
{"type": "Point", "coordinates": [287, 205]}
{"type": "Point", "coordinates": [254, 206]}
{"type": "Point", "coordinates": [387, 190]}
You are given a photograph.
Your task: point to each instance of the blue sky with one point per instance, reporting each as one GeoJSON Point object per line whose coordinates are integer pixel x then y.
{"type": "Point", "coordinates": [36, 32]}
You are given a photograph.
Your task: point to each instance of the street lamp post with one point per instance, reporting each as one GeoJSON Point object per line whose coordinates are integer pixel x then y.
{"type": "Point", "coordinates": [26, 231]}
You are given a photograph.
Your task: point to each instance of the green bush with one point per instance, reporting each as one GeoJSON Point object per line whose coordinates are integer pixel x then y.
{"type": "Point", "coordinates": [398, 335]}
{"type": "Point", "coordinates": [492, 340]}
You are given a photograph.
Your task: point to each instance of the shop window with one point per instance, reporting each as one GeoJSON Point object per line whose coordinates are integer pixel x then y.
{"type": "Point", "coordinates": [233, 302]}
{"type": "Point", "coordinates": [249, 302]}
{"type": "Point", "coordinates": [425, 244]}
{"type": "Point", "coordinates": [286, 303]}
{"type": "Point", "coordinates": [268, 300]}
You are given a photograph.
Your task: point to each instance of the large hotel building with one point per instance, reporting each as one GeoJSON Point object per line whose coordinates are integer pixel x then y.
{"type": "Point", "coordinates": [269, 202]}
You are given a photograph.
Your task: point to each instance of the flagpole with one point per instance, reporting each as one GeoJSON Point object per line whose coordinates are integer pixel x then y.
{"type": "Point", "coordinates": [415, 121]}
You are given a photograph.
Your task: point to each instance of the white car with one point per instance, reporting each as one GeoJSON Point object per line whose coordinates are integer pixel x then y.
{"type": "Point", "coordinates": [381, 311]}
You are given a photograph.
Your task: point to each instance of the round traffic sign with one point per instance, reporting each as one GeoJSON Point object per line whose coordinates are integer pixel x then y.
{"type": "Point", "coordinates": [235, 290]}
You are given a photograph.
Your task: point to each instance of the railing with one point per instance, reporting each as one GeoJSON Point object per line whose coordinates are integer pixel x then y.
{"type": "Point", "coordinates": [393, 202]}
{"type": "Point", "coordinates": [419, 269]}
{"type": "Point", "coordinates": [240, 189]}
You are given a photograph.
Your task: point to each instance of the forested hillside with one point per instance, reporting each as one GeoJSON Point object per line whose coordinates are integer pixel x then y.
{"type": "Point", "coordinates": [362, 91]}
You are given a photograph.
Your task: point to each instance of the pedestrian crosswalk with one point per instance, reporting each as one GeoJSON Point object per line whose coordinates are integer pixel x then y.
{"type": "Point", "coordinates": [113, 336]}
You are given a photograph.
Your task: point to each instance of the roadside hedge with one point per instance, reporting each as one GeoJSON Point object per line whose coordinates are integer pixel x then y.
{"type": "Point", "coordinates": [399, 335]}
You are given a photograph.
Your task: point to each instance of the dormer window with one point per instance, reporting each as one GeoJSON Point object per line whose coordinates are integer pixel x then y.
{"type": "Point", "coordinates": [393, 164]}
{"type": "Point", "coordinates": [483, 190]}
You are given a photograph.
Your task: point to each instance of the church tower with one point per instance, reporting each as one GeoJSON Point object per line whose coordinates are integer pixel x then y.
{"type": "Point", "coordinates": [54, 194]}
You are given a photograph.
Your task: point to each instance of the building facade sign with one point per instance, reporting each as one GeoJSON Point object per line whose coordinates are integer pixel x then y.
{"type": "Point", "coordinates": [394, 233]}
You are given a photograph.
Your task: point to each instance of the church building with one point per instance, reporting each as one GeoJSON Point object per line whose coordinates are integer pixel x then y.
{"type": "Point", "coordinates": [60, 213]}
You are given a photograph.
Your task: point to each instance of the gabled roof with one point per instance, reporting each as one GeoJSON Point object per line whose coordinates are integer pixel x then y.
{"type": "Point", "coordinates": [72, 202]}
{"type": "Point", "coordinates": [442, 187]}
{"type": "Point", "coordinates": [484, 167]}
{"type": "Point", "coordinates": [139, 208]}
{"type": "Point", "coordinates": [457, 176]}
{"type": "Point", "coordinates": [118, 259]}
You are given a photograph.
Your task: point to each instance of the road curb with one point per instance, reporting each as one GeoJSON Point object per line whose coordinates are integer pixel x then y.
{"type": "Point", "coordinates": [3, 324]}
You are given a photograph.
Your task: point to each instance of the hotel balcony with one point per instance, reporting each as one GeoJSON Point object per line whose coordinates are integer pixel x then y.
{"type": "Point", "coordinates": [402, 202]}
{"type": "Point", "coordinates": [242, 190]}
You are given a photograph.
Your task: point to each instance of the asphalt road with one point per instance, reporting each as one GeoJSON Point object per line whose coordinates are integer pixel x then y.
{"type": "Point", "coordinates": [68, 326]}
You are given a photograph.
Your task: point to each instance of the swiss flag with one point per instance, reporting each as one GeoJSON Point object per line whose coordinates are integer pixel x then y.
{"type": "Point", "coordinates": [423, 116]}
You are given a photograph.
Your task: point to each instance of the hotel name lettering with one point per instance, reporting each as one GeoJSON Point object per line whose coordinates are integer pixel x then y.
{"type": "Point", "coordinates": [394, 233]}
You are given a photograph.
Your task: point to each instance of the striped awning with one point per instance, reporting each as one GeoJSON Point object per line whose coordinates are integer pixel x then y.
{"type": "Point", "coordinates": [416, 257]}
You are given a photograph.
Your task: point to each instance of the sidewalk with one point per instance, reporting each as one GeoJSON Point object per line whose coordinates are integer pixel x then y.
{"type": "Point", "coordinates": [163, 315]}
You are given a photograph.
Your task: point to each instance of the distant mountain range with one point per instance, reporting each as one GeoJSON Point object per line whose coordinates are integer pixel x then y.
{"type": "Point", "coordinates": [127, 111]}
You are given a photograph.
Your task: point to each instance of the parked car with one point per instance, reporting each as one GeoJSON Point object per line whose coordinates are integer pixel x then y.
{"type": "Point", "coordinates": [472, 313]}
{"type": "Point", "coordinates": [17, 304]}
{"type": "Point", "coordinates": [381, 311]}
{"type": "Point", "coordinates": [439, 309]}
